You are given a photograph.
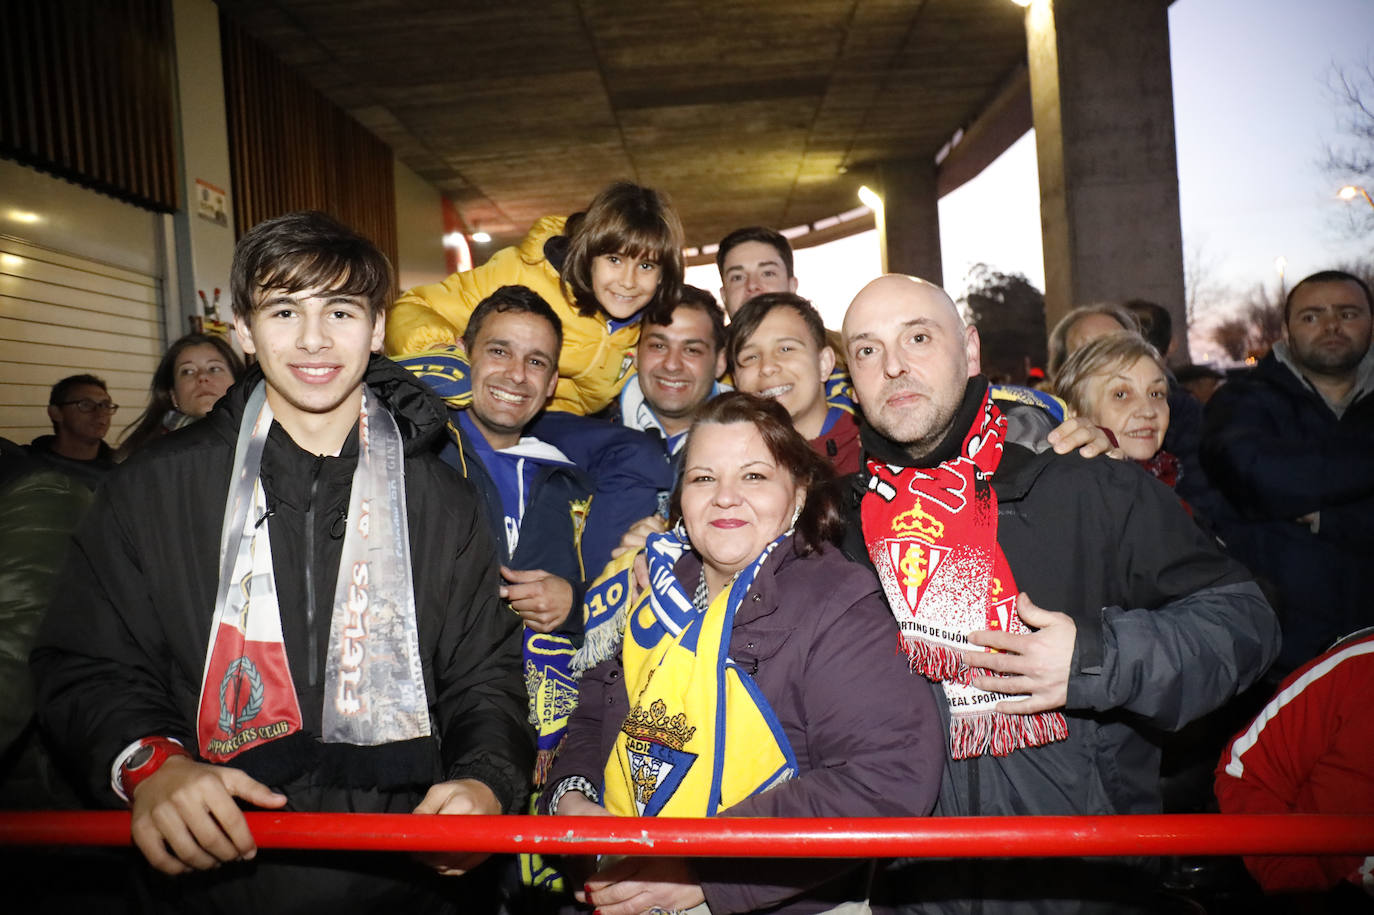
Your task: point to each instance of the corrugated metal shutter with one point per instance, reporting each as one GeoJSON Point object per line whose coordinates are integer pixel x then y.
{"type": "Point", "coordinates": [62, 315]}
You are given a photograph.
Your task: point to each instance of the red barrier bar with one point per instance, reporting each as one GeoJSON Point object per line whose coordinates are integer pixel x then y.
{"type": "Point", "coordinates": [933, 837]}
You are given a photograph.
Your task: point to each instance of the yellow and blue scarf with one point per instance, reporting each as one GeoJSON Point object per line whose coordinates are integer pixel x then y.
{"type": "Point", "coordinates": [700, 736]}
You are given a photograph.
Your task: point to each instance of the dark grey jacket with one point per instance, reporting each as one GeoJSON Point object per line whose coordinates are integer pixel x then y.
{"type": "Point", "coordinates": [819, 641]}
{"type": "Point", "coordinates": [1169, 628]}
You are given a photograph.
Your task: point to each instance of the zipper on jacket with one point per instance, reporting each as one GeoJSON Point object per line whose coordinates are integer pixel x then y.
{"type": "Point", "coordinates": [310, 639]}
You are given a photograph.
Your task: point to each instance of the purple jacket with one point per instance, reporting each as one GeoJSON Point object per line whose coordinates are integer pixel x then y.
{"type": "Point", "coordinates": [818, 639]}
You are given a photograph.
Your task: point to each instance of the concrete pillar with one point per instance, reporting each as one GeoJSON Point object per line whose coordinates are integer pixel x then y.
{"type": "Point", "coordinates": [204, 239]}
{"type": "Point", "coordinates": [1102, 99]}
{"type": "Point", "coordinates": [909, 221]}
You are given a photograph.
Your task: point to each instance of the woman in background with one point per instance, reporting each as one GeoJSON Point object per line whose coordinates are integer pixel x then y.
{"type": "Point", "coordinates": [194, 373]}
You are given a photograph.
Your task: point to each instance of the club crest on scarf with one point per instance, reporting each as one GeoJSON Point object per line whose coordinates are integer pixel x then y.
{"type": "Point", "coordinates": [374, 683]}
{"type": "Point", "coordinates": [700, 736]}
{"type": "Point", "coordinates": [931, 533]}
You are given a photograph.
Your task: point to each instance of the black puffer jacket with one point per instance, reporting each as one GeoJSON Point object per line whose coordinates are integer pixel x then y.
{"type": "Point", "coordinates": [1168, 629]}
{"type": "Point", "coordinates": [122, 652]}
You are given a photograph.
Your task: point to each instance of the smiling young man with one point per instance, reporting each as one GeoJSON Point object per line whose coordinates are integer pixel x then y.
{"type": "Point", "coordinates": [678, 363]}
{"type": "Point", "coordinates": [777, 348]}
{"type": "Point", "coordinates": [291, 605]}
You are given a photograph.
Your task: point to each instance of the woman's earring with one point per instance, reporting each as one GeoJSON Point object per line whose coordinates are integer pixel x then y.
{"type": "Point", "coordinates": [680, 532]}
{"type": "Point", "coordinates": [795, 515]}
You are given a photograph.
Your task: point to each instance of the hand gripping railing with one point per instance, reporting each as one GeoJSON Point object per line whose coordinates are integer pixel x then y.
{"type": "Point", "coordinates": [932, 837]}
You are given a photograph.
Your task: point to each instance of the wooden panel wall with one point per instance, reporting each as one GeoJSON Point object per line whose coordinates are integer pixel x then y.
{"type": "Point", "coordinates": [292, 149]}
{"type": "Point", "coordinates": [62, 315]}
{"type": "Point", "coordinates": [86, 93]}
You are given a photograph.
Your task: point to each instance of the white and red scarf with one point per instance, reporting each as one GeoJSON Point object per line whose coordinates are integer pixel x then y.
{"type": "Point", "coordinates": [374, 683]}
{"type": "Point", "coordinates": [932, 536]}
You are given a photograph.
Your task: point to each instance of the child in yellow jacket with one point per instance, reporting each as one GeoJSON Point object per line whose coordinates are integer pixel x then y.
{"type": "Point", "coordinates": [599, 270]}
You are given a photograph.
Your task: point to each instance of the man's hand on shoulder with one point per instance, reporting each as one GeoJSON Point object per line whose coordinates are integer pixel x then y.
{"type": "Point", "coordinates": [462, 797]}
{"type": "Point", "coordinates": [1036, 664]}
{"type": "Point", "coordinates": [185, 817]}
{"type": "Point", "coordinates": [1079, 434]}
{"type": "Point", "coordinates": [542, 599]}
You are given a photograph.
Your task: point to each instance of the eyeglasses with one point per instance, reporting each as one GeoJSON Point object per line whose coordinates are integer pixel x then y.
{"type": "Point", "coordinates": [90, 406]}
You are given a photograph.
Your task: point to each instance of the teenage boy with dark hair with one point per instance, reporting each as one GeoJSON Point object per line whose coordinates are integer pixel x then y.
{"type": "Point", "coordinates": [292, 604]}
{"type": "Point", "coordinates": [752, 261]}
{"type": "Point", "coordinates": [777, 348]}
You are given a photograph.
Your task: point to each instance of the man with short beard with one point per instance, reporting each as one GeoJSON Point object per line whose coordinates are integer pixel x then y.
{"type": "Point", "coordinates": [1063, 608]}
{"type": "Point", "coordinates": [1291, 446]}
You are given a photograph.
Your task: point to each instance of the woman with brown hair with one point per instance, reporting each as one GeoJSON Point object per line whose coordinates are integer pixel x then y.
{"type": "Point", "coordinates": [758, 676]}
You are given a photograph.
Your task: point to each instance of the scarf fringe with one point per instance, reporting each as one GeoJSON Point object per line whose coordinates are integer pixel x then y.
{"type": "Point", "coordinates": [543, 763]}
{"type": "Point", "coordinates": [601, 643]}
{"type": "Point", "coordinates": [936, 662]}
{"type": "Point", "coordinates": [1000, 734]}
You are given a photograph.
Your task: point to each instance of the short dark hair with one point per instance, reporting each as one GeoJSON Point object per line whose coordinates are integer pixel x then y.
{"type": "Point", "coordinates": [519, 299]}
{"type": "Point", "coordinates": [62, 389]}
{"type": "Point", "coordinates": [767, 236]}
{"type": "Point", "coordinates": [308, 250]}
{"type": "Point", "coordinates": [696, 298]}
{"type": "Point", "coordinates": [752, 313]}
{"type": "Point", "coordinates": [1327, 276]}
{"type": "Point", "coordinates": [627, 219]}
{"type": "Point", "coordinates": [821, 520]}
{"type": "Point", "coordinates": [1156, 324]}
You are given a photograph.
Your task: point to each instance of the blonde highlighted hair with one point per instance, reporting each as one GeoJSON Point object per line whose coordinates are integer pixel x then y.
{"type": "Point", "coordinates": [1112, 352]}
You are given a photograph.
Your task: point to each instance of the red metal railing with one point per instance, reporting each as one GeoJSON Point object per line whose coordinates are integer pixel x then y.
{"type": "Point", "coordinates": [936, 837]}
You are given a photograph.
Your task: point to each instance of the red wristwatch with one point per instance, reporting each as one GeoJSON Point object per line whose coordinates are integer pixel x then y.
{"type": "Point", "coordinates": [152, 752]}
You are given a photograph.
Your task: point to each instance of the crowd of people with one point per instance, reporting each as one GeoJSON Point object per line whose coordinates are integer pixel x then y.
{"type": "Point", "coordinates": [585, 542]}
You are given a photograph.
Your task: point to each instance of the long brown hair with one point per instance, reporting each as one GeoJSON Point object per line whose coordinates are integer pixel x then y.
{"type": "Point", "coordinates": [627, 219]}
{"type": "Point", "coordinates": [821, 520]}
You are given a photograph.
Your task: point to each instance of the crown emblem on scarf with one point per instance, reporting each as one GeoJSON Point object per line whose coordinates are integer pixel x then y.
{"type": "Point", "coordinates": [657, 726]}
{"type": "Point", "coordinates": [918, 520]}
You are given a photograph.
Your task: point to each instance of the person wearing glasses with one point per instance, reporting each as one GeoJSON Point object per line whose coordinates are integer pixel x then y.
{"type": "Point", "coordinates": [80, 408]}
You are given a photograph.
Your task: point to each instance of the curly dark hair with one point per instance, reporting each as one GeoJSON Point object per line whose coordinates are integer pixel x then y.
{"type": "Point", "coordinates": [822, 518]}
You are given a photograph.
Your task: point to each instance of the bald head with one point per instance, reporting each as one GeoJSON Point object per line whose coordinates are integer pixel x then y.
{"type": "Point", "coordinates": [891, 289]}
{"type": "Point", "coordinates": [910, 358]}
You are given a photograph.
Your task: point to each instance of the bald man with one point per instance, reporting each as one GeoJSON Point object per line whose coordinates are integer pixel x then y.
{"type": "Point", "coordinates": [1110, 612]}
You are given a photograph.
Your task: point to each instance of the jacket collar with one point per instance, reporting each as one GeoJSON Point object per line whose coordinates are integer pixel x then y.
{"type": "Point", "coordinates": [1281, 357]}
{"type": "Point", "coordinates": [881, 448]}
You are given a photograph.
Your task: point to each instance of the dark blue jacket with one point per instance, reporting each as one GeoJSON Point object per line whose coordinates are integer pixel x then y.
{"type": "Point", "coordinates": [550, 535]}
{"type": "Point", "coordinates": [1278, 452]}
{"type": "Point", "coordinates": [628, 469]}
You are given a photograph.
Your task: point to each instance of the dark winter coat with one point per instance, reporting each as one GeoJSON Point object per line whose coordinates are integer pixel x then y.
{"type": "Point", "coordinates": [1168, 629]}
{"type": "Point", "coordinates": [122, 651]}
{"type": "Point", "coordinates": [817, 638]}
{"type": "Point", "coordinates": [1277, 451]}
{"type": "Point", "coordinates": [549, 538]}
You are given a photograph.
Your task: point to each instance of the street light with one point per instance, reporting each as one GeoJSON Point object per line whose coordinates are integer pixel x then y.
{"type": "Point", "coordinates": [1351, 191]}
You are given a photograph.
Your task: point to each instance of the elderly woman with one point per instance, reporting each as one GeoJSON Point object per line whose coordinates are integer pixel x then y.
{"type": "Point", "coordinates": [758, 676]}
{"type": "Point", "coordinates": [193, 375]}
{"type": "Point", "coordinates": [1119, 382]}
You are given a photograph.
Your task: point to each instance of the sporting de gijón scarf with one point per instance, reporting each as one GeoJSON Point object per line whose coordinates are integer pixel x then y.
{"type": "Point", "coordinates": [932, 536]}
{"type": "Point", "coordinates": [374, 682]}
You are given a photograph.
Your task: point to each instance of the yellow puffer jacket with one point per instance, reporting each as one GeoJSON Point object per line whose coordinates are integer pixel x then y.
{"type": "Point", "coordinates": [594, 362]}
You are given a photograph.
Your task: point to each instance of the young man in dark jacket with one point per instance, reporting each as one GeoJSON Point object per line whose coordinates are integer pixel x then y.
{"type": "Point", "coordinates": [1110, 612]}
{"type": "Point", "coordinates": [1291, 446]}
{"type": "Point", "coordinates": [292, 605]}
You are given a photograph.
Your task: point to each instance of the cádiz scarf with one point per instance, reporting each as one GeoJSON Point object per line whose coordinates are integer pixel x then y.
{"type": "Point", "coordinates": [700, 736]}
{"type": "Point", "coordinates": [945, 576]}
{"type": "Point", "coordinates": [374, 684]}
